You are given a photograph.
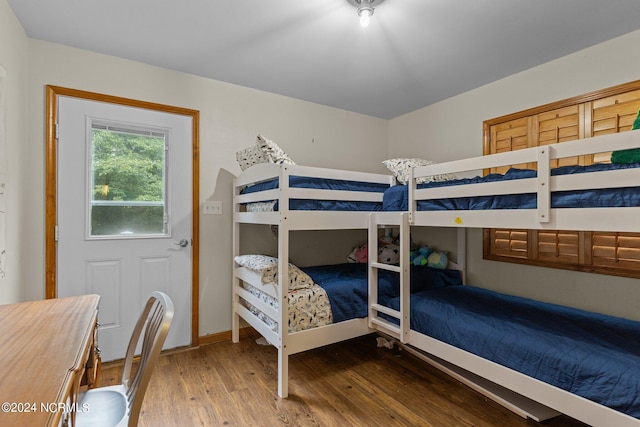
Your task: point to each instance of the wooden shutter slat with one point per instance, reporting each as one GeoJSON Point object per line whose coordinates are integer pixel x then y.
{"type": "Point", "coordinates": [629, 240]}
{"type": "Point", "coordinates": [509, 243]}
{"type": "Point", "coordinates": [558, 112]}
{"type": "Point", "coordinates": [560, 236]}
{"type": "Point", "coordinates": [620, 98]}
{"type": "Point", "coordinates": [616, 250]}
{"type": "Point", "coordinates": [558, 246]}
{"type": "Point", "coordinates": [567, 122]}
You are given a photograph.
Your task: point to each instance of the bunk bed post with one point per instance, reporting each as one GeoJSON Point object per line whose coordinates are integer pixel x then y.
{"type": "Point", "coordinates": [461, 250]}
{"type": "Point", "coordinates": [283, 283]}
{"type": "Point", "coordinates": [235, 317]}
{"type": "Point", "coordinates": [405, 276]}
{"type": "Point", "coordinates": [412, 204]}
{"type": "Point", "coordinates": [372, 275]}
{"type": "Point", "coordinates": [544, 190]}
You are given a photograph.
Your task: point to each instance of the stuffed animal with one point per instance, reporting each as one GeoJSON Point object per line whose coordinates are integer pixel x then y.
{"type": "Point", "coordinates": [389, 253]}
{"type": "Point", "coordinates": [438, 259]}
{"type": "Point", "coordinates": [360, 254]}
{"type": "Point", "coordinates": [388, 250]}
{"type": "Point", "coordinates": [419, 256]}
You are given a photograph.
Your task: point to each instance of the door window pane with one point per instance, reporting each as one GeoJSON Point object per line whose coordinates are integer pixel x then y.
{"type": "Point", "coordinates": [128, 181]}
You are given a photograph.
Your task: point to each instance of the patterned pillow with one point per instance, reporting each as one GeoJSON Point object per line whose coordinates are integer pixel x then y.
{"type": "Point", "coordinates": [250, 156]}
{"type": "Point", "coordinates": [400, 169]}
{"type": "Point", "coordinates": [267, 267]}
{"type": "Point", "coordinates": [273, 152]}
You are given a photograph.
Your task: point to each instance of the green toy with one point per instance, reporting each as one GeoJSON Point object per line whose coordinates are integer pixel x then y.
{"type": "Point", "coordinates": [628, 156]}
{"type": "Point", "coordinates": [419, 256]}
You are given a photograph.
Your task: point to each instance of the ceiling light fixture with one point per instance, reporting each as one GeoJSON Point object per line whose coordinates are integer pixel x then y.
{"type": "Point", "coordinates": [365, 10]}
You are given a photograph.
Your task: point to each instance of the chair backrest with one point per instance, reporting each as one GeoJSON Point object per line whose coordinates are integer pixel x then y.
{"type": "Point", "coordinates": [152, 329]}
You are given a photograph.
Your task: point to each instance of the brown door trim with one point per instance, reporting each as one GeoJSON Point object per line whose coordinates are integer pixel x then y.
{"type": "Point", "coordinates": [51, 176]}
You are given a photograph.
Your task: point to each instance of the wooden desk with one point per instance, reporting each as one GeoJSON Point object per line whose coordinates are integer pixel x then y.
{"type": "Point", "coordinates": [44, 347]}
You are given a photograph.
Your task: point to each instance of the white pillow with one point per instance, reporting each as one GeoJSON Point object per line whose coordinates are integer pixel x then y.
{"type": "Point", "coordinates": [400, 169]}
{"type": "Point", "coordinates": [267, 267]}
{"type": "Point", "coordinates": [273, 152]}
{"type": "Point", "coordinates": [250, 156]}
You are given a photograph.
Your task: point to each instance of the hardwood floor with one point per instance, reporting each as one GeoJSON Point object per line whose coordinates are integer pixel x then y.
{"type": "Point", "coordinates": [353, 383]}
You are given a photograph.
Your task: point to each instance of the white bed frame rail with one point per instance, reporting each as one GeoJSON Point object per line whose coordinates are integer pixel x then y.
{"type": "Point", "coordinates": [485, 376]}
{"type": "Point", "coordinates": [522, 394]}
{"type": "Point", "coordinates": [289, 220]}
{"type": "Point", "coordinates": [304, 219]}
{"type": "Point", "coordinates": [544, 217]}
{"type": "Point", "coordinates": [523, 386]}
{"type": "Point", "coordinates": [286, 343]}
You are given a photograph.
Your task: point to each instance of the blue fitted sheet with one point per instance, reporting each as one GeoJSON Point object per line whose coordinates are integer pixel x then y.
{"type": "Point", "coordinates": [591, 355]}
{"type": "Point", "coordinates": [396, 198]}
{"type": "Point", "coordinates": [324, 184]}
{"type": "Point", "coordinates": [346, 285]}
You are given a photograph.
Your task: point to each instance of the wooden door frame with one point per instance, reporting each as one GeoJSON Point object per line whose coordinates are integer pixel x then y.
{"type": "Point", "coordinates": [51, 186]}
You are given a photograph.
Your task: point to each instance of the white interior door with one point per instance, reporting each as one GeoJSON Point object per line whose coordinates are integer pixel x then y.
{"type": "Point", "coordinates": [124, 214]}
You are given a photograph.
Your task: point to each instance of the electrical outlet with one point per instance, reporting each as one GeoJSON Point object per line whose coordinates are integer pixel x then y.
{"type": "Point", "coordinates": [212, 207]}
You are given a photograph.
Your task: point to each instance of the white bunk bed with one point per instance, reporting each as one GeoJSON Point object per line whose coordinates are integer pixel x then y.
{"type": "Point", "coordinates": [524, 394]}
{"type": "Point", "coordinates": [288, 220]}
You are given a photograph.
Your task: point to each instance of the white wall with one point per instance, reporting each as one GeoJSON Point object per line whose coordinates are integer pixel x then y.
{"type": "Point", "coordinates": [452, 129]}
{"type": "Point", "coordinates": [230, 118]}
{"type": "Point", "coordinates": [13, 58]}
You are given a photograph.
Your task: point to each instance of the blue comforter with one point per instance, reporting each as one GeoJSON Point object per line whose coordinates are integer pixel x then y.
{"type": "Point", "coordinates": [396, 198]}
{"type": "Point", "coordinates": [591, 355]}
{"type": "Point", "coordinates": [347, 289]}
{"type": "Point", "coordinates": [324, 184]}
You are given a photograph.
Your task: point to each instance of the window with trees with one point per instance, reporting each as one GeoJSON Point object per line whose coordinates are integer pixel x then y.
{"type": "Point", "coordinates": [128, 185]}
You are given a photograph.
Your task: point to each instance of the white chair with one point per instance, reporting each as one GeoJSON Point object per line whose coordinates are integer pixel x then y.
{"type": "Point", "coordinates": [120, 405]}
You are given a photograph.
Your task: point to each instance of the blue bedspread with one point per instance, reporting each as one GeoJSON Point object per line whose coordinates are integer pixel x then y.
{"type": "Point", "coordinates": [324, 184]}
{"type": "Point", "coordinates": [591, 355]}
{"type": "Point", "coordinates": [346, 285]}
{"type": "Point", "coordinates": [396, 198]}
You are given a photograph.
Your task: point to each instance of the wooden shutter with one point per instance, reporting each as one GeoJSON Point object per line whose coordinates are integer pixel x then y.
{"type": "Point", "coordinates": [560, 125]}
{"type": "Point", "coordinates": [616, 250]}
{"type": "Point", "coordinates": [558, 246]}
{"type": "Point", "coordinates": [510, 136]}
{"type": "Point", "coordinates": [612, 114]}
{"type": "Point", "coordinates": [554, 126]}
{"type": "Point", "coordinates": [607, 111]}
{"type": "Point", "coordinates": [615, 114]}
{"type": "Point", "coordinates": [510, 243]}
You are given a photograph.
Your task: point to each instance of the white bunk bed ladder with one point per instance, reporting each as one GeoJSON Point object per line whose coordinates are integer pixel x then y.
{"type": "Point", "coordinates": [401, 331]}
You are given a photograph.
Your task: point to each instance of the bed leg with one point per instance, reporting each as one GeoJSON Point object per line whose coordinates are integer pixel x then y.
{"type": "Point", "coordinates": [283, 373]}
{"type": "Point", "coordinates": [235, 317]}
{"type": "Point", "coordinates": [235, 328]}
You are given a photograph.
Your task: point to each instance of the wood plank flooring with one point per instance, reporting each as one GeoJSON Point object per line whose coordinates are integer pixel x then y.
{"type": "Point", "coordinates": [353, 383]}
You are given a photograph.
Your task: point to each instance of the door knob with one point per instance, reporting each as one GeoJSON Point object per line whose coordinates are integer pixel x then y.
{"type": "Point", "coordinates": [182, 243]}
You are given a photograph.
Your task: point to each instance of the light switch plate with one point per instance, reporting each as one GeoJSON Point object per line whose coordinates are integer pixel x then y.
{"type": "Point", "coordinates": [212, 207]}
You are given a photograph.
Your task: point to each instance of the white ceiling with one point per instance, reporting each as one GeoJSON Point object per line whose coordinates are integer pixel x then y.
{"type": "Point", "coordinates": [414, 53]}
